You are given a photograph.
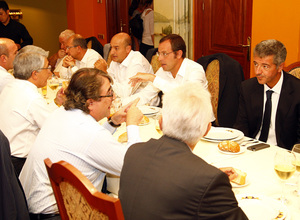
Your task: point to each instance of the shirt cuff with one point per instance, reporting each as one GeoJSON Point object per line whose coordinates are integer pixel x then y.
{"type": "Point", "coordinates": [133, 134]}
{"type": "Point", "coordinates": [108, 127]}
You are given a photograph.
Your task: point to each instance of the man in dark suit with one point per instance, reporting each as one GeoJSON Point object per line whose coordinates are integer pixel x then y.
{"type": "Point", "coordinates": [163, 179]}
{"type": "Point", "coordinates": [283, 127]}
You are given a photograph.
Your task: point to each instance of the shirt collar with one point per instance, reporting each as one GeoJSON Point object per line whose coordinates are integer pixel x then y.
{"type": "Point", "coordinates": [127, 59]}
{"type": "Point", "coordinates": [181, 71]}
{"type": "Point", "coordinates": [2, 68]}
{"type": "Point", "coordinates": [277, 87]}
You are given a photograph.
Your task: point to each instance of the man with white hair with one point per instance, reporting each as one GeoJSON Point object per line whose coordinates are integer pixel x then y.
{"type": "Point", "coordinates": [8, 51]}
{"type": "Point", "coordinates": [23, 109]}
{"type": "Point", "coordinates": [163, 179]}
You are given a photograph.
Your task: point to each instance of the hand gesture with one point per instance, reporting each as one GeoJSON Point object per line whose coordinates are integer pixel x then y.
{"type": "Point", "coordinates": [101, 65]}
{"type": "Point", "coordinates": [141, 77]}
{"type": "Point", "coordinates": [231, 173]}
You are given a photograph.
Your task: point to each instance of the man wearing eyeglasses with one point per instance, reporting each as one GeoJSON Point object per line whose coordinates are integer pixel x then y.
{"type": "Point", "coordinates": [125, 64]}
{"type": "Point", "coordinates": [73, 134]}
{"type": "Point", "coordinates": [23, 109]}
{"type": "Point", "coordinates": [78, 56]}
{"type": "Point", "coordinates": [175, 67]}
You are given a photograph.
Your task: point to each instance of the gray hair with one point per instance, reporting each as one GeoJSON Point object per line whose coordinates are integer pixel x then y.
{"type": "Point", "coordinates": [78, 40]}
{"type": "Point", "coordinates": [34, 49]}
{"type": "Point", "coordinates": [66, 34]}
{"type": "Point", "coordinates": [26, 63]}
{"type": "Point", "coordinates": [186, 112]}
{"type": "Point", "coordinates": [269, 48]}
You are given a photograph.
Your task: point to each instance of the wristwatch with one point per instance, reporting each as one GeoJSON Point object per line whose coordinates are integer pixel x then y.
{"type": "Point", "coordinates": [112, 124]}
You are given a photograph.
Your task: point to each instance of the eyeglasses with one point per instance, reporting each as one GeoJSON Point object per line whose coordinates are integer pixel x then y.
{"type": "Point", "coordinates": [110, 94]}
{"type": "Point", "coordinates": [69, 47]}
{"type": "Point", "coordinates": [164, 54]}
{"type": "Point", "coordinates": [45, 68]}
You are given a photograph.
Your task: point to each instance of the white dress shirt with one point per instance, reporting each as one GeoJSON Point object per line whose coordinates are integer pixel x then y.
{"type": "Point", "coordinates": [75, 137]}
{"type": "Point", "coordinates": [121, 72]}
{"type": "Point", "coordinates": [275, 99]}
{"type": "Point", "coordinates": [23, 112]}
{"type": "Point", "coordinates": [188, 71]}
{"type": "Point", "coordinates": [5, 77]}
{"type": "Point", "coordinates": [88, 60]}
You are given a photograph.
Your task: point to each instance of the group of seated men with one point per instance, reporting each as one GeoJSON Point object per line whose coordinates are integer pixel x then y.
{"type": "Point", "coordinates": [37, 130]}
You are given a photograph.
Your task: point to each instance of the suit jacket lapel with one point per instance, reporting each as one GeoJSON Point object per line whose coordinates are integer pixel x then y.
{"type": "Point", "coordinates": [257, 101]}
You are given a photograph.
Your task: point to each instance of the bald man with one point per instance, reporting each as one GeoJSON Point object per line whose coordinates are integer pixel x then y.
{"type": "Point", "coordinates": [125, 64]}
{"type": "Point", "coordinates": [8, 51]}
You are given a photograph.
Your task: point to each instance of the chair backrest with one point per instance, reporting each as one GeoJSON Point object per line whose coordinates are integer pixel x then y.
{"type": "Point", "coordinates": [153, 59]}
{"type": "Point", "coordinates": [293, 69]}
{"type": "Point", "coordinates": [212, 76]}
{"type": "Point", "coordinates": [76, 196]}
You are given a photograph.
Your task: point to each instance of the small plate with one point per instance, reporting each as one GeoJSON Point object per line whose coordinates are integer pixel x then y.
{"type": "Point", "coordinates": [149, 110]}
{"type": "Point", "coordinates": [218, 134]}
{"type": "Point", "coordinates": [242, 150]}
{"type": "Point", "coordinates": [262, 207]}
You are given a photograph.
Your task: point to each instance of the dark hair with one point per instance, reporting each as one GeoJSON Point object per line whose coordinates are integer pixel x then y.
{"type": "Point", "coordinates": [4, 5]}
{"type": "Point", "coordinates": [78, 40]}
{"type": "Point", "coordinates": [85, 84]}
{"type": "Point", "coordinates": [177, 43]}
{"type": "Point", "coordinates": [147, 2]}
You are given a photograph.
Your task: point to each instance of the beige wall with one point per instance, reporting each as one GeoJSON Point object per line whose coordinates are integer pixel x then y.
{"type": "Point", "coordinates": [44, 20]}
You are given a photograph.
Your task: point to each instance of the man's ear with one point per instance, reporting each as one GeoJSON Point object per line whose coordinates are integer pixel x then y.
{"type": "Point", "coordinates": [128, 49]}
{"type": "Point", "coordinates": [280, 67]}
{"type": "Point", "coordinates": [34, 75]}
{"type": "Point", "coordinates": [160, 122]}
{"type": "Point", "coordinates": [208, 128]}
{"type": "Point", "coordinates": [179, 54]}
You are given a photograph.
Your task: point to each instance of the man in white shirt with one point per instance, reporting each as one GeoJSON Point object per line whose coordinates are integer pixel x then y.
{"type": "Point", "coordinates": [23, 109]}
{"type": "Point", "coordinates": [8, 51]}
{"type": "Point", "coordinates": [73, 134]}
{"type": "Point", "coordinates": [56, 59]}
{"type": "Point", "coordinates": [79, 56]}
{"type": "Point", "coordinates": [175, 67]}
{"type": "Point", "coordinates": [125, 64]}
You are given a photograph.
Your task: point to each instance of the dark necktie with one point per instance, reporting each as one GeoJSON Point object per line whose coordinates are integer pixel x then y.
{"type": "Point", "coordinates": [264, 133]}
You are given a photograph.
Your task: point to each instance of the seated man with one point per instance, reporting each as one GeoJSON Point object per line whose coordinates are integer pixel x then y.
{"type": "Point", "coordinates": [175, 67]}
{"type": "Point", "coordinates": [163, 179]}
{"type": "Point", "coordinates": [79, 56]}
{"type": "Point", "coordinates": [23, 109]}
{"type": "Point", "coordinates": [73, 134]}
{"type": "Point", "coordinates": [56, 59]}
{"type": "Point", "coordinates": [269, 106]}
{"type": "Point", "coordinates": [125, 64]}
{"type": "Point", "coordinates": [8, 51]}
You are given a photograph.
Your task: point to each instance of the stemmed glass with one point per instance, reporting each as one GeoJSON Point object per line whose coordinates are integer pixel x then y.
{"type": "Point", "coordinates": [296, 150]}
{"type": "Point", "coordinates": [284, 168]}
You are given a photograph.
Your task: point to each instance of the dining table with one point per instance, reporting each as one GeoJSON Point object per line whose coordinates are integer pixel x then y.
{"type": "Point", "coordinates": [261, 180]}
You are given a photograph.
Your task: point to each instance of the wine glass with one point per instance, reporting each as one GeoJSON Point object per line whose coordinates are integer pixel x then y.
{"type": "Point", "coordinates": [284, 168]}
{"type": "Point", "coordinates": [296, 150]}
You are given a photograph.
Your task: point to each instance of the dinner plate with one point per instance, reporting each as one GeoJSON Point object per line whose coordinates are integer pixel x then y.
{"type": "Point", "coordinates": [218, 134]}
{"type": "Point", "coordinates": [262, 207]}
{"type": "Point", "coordinates": [149, 110]}
{"type": "Point", "coordinates": [242, 150]}
{"type": "Point", "coordinates": [235, 185]}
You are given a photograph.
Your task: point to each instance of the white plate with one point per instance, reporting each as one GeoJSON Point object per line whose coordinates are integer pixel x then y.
{"type": "Point", "coordinates": [218, 134]}
{"type": "Point", "coordinates": [242, 150]}
{"type": "Point", "coordinates": [235, 185]}
{"type": "Point", "coordinates": [262, 207]}
{"type": "Point", "coordinates": [149, 110]}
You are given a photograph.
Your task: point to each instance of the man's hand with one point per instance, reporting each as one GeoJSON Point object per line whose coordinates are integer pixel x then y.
{"type": "Point", "coordinates": [60, 97]}
{"type": "Point", "coordinates": [61, 53]}
{"type": "Point", "coordinates": [120, 116]}
{"type": "Point", "coordinates": [68, 61]}
{"type": "Point", "coordinates": [231, 173]}
{"type": "Point", "coordinates": [141, 77]}
{"type": "Point", "coordinates": [101, 65]}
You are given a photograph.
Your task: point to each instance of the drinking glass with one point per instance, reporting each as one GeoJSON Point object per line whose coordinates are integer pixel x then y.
{"type": "Point", "coordinates": [53, 83]}
{"type": "Point", "coordinates": [296, 150]}
{"type": "Point", "coordinates": [284, 168]}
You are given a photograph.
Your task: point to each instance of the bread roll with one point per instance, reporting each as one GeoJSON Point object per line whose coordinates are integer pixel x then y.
{"type": "Point", "coordinates": [123, 138]}
{"type": "Point", "coordinates": [241, 178]}
{"type": "Point", "coordinates": [230, 146]}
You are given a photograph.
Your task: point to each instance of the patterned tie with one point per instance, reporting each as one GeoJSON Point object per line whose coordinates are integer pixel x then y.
{"type": "Point", "coordinates": [264, 133]}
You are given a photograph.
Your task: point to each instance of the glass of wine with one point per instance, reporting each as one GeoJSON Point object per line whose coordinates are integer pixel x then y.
{"type": "Point", "coordinates": [284, 168]}
{"type": "Point", "coordinates": [296, 150]}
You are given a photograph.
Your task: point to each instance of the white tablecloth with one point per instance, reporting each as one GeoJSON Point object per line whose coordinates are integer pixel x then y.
{"type": "Point", "coordinates": [258, 165]}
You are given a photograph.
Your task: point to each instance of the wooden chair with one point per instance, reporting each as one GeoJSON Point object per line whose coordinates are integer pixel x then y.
{"type": "Point", "coordinates": [76, 196]}
{"type": "Point", "coordinates": [153, 59]}
{"type": "Point", "coordinates": [293, 69]}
